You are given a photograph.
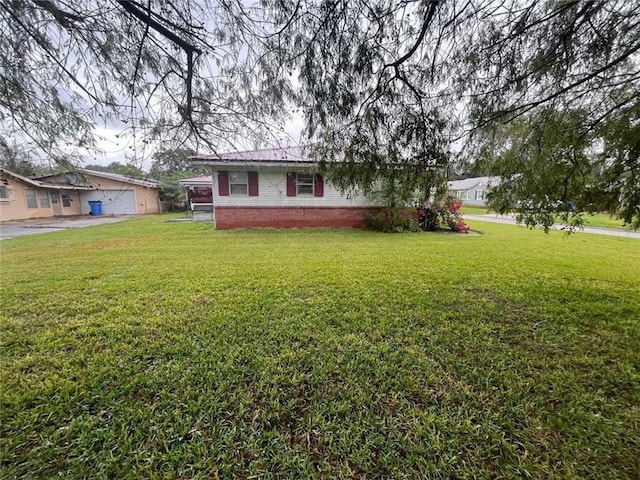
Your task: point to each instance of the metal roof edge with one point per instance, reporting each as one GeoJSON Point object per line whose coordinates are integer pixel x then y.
{"type": "Point", "coordinates": [251, 163]}
{"type": "Point", "coordinates": [41, 184]}
{"type": "Point", "coordinates": [121, 178]}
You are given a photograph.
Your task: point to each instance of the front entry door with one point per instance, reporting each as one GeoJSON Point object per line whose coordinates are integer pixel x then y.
{"type": "Point", "coordinates": [55, 203]}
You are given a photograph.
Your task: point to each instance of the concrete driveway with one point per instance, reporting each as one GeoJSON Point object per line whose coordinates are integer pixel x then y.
{"type": "Point", "coordinates": [18, 228]}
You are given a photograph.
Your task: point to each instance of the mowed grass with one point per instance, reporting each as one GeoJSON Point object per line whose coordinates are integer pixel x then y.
{"type": "Point", "coordinates": [600, 220]}
{"type": "Point", "coordinates": [475, 210]}
{"type": "Point", "coordinates": [158, 350]}
{"type": "Point", "coordinates": [603, 220]}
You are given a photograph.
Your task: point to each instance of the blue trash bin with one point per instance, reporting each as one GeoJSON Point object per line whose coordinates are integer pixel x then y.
{"type": "Point", "coordinates": [96, 207]}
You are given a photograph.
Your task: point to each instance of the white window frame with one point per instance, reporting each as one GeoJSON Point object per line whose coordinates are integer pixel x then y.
{"type": "Point", "coordinates": [312, 183]}
{"type": "Point", "coordinates": [479, 195]}
{"type": "Point", "coordinates": [239, 184]}
{"type": "Point", "coordinates": [27, 191]}
{"type": "Point", "coordinates": [44, 195]}
{"type": "Point", "coordinates": [462, 194]}
{"type": "Point", "coordinates": [4, 193]}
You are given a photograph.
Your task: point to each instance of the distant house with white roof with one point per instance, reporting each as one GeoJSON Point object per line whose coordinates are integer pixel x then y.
{"type": "Point", "coordinates": [276, 187]}
{"type": "Point", "coordinates": [473, 191]}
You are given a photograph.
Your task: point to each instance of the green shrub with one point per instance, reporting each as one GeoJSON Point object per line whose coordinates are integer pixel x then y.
{"type": "Point", "coordinates": [393, 220]}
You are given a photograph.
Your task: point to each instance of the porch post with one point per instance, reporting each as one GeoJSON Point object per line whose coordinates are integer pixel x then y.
{"type": "Point", "coordinates": [213, 196]}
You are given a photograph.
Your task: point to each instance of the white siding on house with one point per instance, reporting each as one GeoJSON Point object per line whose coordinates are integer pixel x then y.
{"type": "Point", "coordinates": [473, 190]}
{"type": "Point", "coordinates": [476, 196]}
{"type": "Point", "coordinates": [272, 190]}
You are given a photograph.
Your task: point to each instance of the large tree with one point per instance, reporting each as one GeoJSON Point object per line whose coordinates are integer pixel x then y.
{"type": "Point", "coordinates": [128, 169]}
{"type": "Point", "coordinates": [387, 87]}
{"type": "Point", "coordinates": [18, 160]}
{"type": "Point", "coordinates": [174, 161]}
{"type": "Point", "coordinates": [174, 72]}
{"type": "Point", "coordinates": [171, 166]}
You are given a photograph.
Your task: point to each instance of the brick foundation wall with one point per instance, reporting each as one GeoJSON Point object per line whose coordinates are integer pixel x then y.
{"type": "Point", "coordinates": [292, 217]}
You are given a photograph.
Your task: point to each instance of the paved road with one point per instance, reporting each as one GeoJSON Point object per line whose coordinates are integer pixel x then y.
{"type": "Point", "coordinates": [600, 231]}
{"type": "Point", "coordinates": [18, 228]}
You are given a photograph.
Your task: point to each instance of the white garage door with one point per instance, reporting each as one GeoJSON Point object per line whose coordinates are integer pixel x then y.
{"type": "Point", "coordinates": [114, 202]}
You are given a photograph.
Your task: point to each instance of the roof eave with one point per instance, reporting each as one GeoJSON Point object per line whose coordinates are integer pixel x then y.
{"type": "Point", "coordinates": [133, 181]}
{"type": "Point", "coordinates": [52, 186]}
{"type": "Point", "coordinates": [250, 163]}
{"type": "Point", "coordinates": [187, 182]}
{"type": "Point", "coordinates": [41, 184]}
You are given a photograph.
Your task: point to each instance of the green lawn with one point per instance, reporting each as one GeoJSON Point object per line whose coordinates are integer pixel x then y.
{"type": "Point", "coordinates": [601, 220]}
{"type": "Point", "coordinates": [159, 350]}
{"type": "Point", "coordinates": [475, 210]}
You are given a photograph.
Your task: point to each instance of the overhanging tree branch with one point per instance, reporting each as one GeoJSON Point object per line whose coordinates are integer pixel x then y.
{"type": "Point", "coordinates": [145, 17]}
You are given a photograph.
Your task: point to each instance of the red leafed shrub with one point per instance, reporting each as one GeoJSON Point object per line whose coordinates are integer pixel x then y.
{"type": "Point", "coordinates": [444, 214]}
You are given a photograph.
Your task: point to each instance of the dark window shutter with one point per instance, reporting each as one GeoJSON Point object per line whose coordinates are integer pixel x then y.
{"type": "Point", "coordinates": [291, 184]}
{"type": "Point", "coordinates": [253, 183]}
{"type": "Point", "coordinates": [223, 183]}
{"type": "Point", "coordinates": [318, 190]}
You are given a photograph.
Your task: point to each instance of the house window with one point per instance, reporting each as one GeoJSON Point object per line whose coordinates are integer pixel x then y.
{"type": "Point", "coordinates": [55, 197]}
{"type": "Point", "coordinates": [462, 194]}
{"type": "Point", "coordinates": [44, 199]}
{"type": "Point", "coordinates": [4, 193]}
{"type": "Point", "coordinates": [304, 183]}
{"type": "Point", "coordinates": [479, 194]}
{"type": "Point", "coordinates": [32, 200]}
{"type": "Point", "coordinates": [66, 200]}
{"type": "Point", "coordinates": [238, 183]}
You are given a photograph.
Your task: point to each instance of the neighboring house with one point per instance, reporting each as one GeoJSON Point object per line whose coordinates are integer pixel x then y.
{"type": "Point", "coordinates": [473, 191]}
{"type": "Point", "coordinates": [23, 198]}
{"type": "Point", "coordinates": [119, 194]}
{"type": "Point", "coordinates": [278, 187]}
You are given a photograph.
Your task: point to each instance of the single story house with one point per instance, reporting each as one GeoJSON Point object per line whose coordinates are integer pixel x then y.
{"type": "Point", "coordinates": [119, 194]}
{"type": "Point", "coordinates": [473, 191]}
{"type": "Point", "coordinates": [23, 198]}
{"type": "Point", "coordinates": [276, 188]}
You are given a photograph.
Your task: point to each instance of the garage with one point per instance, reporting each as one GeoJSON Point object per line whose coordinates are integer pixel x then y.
{"type": "Point", "coordinates": [119, 194]}
{"type": "Point", "coordinates": [114, 202]}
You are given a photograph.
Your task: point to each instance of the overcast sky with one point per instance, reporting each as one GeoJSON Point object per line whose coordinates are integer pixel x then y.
{"type": "Point", "coordinates": [119, 145]}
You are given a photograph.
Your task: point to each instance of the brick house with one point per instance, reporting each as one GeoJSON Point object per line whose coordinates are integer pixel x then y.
{"type": "Point", "coordinates": [275, 188]}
